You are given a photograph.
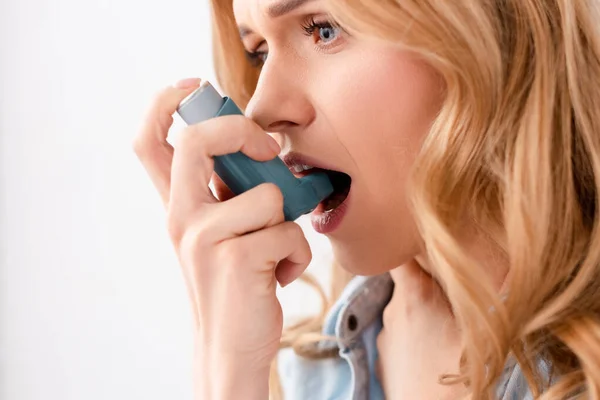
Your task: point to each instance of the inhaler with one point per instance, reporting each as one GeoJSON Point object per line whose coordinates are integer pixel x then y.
{"type": "Point", "coordinates": [240, 173]}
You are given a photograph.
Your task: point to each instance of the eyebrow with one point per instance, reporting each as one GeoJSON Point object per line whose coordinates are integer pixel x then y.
{"type": "Point", "coordinates": [276, 10]}
{"type": "Point", "coordinates": [283, 7]}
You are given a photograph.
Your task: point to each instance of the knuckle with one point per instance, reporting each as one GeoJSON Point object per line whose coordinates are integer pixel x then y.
{"type": "Point", "coordinates": [158, 94]}
{"type": "Point", "coordinates": [244, 128]}
{"type": "Point", "coordinates": [175, 226]}
{"type": "Point", "coordinates": [155, 108]}
{"type": "Point", "coordinates": [242, 123]}
{"type": "Point", "coordinates": [198, 136]}
{"type": "Point", "coordinates": [205, 134]}
{"type": "Point", "coordinates": [157, 99]}
{"type": "Point", "coordinates": [194, 239]}
{"type": "Point", "coordinates": [232, 254]}
{"type": "Point", "coordinates": [294, 231]}
{"type": "Point", "coordinates": [190, 134]}
{"type": "Point", "coordinates": [180, 229]}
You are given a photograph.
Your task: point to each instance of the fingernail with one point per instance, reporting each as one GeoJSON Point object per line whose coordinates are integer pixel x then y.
{"type": "Point", "coordinates": [187, 83]}
{"type": "Point", "coordinates": [274, 145]}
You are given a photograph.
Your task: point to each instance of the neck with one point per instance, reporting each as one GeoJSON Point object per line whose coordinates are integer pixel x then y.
{"type": "Point", "coordinates": [486, 253]}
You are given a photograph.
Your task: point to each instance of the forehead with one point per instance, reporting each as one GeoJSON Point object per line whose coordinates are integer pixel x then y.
{"type": "Point", "coordinates": [245, 10]}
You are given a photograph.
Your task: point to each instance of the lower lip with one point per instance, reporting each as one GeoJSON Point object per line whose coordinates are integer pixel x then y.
{"type": "Point", "coordinates": [328, 221]}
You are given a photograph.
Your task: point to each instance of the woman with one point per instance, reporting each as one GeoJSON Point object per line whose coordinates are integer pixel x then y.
{"type": "Point", "coordinates": [468, 142]}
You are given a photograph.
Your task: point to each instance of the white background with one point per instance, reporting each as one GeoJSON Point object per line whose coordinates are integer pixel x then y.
{"type": "Point", "coordinates": [92, 302]}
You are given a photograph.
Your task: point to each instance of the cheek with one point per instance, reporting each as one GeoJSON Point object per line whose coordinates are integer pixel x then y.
{"type": "Point", "coordinates": [384, 104]}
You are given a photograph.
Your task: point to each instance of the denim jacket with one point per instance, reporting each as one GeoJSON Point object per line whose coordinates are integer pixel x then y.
{"type": "Point", "coordinates": [355, 320]}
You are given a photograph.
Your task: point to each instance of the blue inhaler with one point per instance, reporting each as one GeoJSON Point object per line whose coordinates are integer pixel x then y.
{"type": "Point", "coordinates": [240, 173]}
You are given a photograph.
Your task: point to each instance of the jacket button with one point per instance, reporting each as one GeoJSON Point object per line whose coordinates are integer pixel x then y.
{"type": "Point", "coordinates": [352, 322]}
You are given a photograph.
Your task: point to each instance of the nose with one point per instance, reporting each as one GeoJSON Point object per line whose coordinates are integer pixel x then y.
{"type": "Point", "coordinates": [280, 102]}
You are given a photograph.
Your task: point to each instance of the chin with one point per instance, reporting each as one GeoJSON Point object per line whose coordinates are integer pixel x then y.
{"type": "Point", "coordinates": [369, 258]}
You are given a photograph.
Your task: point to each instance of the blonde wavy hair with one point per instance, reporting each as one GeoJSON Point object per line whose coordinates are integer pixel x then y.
{"type": "Point", "coordinates": [516, 147]}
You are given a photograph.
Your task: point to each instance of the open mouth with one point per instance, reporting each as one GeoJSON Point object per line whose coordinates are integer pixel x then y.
{"type": "Point", "coordinates": [341, 187]}
{"type": "Point", "coordinates": [340, 181]}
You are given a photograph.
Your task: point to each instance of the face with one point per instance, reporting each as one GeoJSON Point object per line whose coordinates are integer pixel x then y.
{"type": "Point", "coordinates": [340, 103]}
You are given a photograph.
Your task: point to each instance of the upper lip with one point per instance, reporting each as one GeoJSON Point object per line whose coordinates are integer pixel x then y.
{"type": "Point", "coordinates": [293, 159]}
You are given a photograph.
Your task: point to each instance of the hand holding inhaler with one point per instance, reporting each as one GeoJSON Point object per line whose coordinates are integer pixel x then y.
{"type": "Point", "coordinates": [232, 252]}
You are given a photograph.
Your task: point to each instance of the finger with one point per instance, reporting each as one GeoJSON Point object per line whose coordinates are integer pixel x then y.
{"type": "Point", "coordinates": [222, 191]}
{"type": "Point", "coordinates": [151, 144]}
{"type": "Point", "coordinates": [255, 209]}
{"type": "Point", "coordinates": [285, 248]}
{"type": "Point", "coordinates": [193, 164]}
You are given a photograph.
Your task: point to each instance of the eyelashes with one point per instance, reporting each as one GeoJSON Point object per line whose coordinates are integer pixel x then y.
{"type": "Point", "coordinates": [311, 26]}
{"type": "Point", "coordinates": [328, 32]}
{"type": "Point", "coordinates": [256, 58]}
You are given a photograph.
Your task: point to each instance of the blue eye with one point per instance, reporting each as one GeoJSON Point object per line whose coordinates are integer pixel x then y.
{"type": "Point", "coordinates": [328, 32]}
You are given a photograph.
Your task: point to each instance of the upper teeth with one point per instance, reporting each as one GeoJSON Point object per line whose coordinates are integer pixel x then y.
{"type": "Point", "coordinates": [301, 167]}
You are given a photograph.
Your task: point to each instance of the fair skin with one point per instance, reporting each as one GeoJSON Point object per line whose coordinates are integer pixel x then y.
{"type": "Point", "coordinates": [329, 99]}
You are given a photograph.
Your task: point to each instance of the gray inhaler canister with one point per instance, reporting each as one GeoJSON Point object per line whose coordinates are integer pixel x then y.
{"type": "Point", "coordinates": [240, 173]}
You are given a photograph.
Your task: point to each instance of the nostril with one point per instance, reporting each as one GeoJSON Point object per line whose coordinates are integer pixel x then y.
{"type": "Point", "coordinates": [280, 126]}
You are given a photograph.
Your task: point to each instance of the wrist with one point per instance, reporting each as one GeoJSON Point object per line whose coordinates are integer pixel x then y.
{"type": "Point", "coordinates": [241, 383]}
{"type": "Point", "coordinates": [222, 373]}
{"type": "Point", "coordinates": [221, 380]}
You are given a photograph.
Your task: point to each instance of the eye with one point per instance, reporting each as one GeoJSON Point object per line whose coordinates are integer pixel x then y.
{"type": "Point", "coordinates": [327, 31]}
{"type": "Point", "coordinates": [257, 57]}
